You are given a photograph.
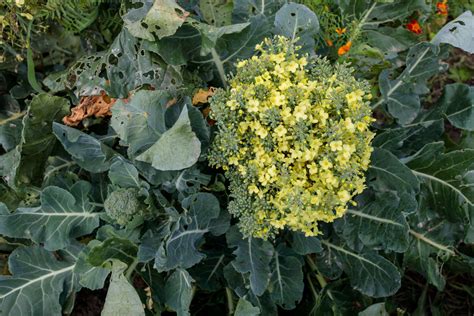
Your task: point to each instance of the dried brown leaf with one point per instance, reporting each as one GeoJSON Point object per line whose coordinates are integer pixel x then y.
{"type": "Point", "coordinates": [95, 105]}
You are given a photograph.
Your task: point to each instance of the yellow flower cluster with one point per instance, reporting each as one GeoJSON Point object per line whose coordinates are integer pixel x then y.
{"type": "Point", "coordinates": [293, 136]}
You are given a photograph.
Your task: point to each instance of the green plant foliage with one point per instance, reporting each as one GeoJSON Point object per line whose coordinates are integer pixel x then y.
{"type": "Point", "coordinates": [127, 203]}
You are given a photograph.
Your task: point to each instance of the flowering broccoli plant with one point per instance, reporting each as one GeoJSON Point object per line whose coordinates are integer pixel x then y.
{"type": "Point", "coordinates": [236, 157]}
{"type": "Point", "coordinates": [294, 139]}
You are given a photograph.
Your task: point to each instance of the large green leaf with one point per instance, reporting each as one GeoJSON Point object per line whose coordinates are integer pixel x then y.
{"type": "Point", "coordinates": [380, 224]}
{"type": "Point", "coordinates": [180, 248]}
{"type": "Point", "coordinates": [61, 217]}
{"type": "Point", "coordinates": [179, 291]}
{"type": "Point", "coordinates": [447, 179]}
{"type": "Point", "coordinates": [39, 278]}
{"type": "Point", "coordinates": [125, 66]}
{"type": "Point", "coordinates": [245, 308]}
{"type": "Point", "coordinates": [90, 276]}
{"type": "Point", "coordinates": [402, 94]}
{"type": "Point", "coordinates": [160, 19]}
{"type": "Point", "coordinates": [253, 256]}
{"type": "Point", "coordinates": [286, 282]}
{"type": "Point", "coordinates": [124, 174]}
{"type": "Point", "coordinates": [122, 298]}
{"type": "Point", "coordinates": [211, 34]}
{"type": "Point", "coordinates": [113, 248]}
{"type": "Point", "coordinates": [305, 245]}
{"type": "Point", "coordinates": [140, 121]}
{"type": "Point", "coordinates": [245, 9]}
{"type": "Point", "coordinates": [432, 243]}
{"type": "Point", "coordinates": [387, 173]}
{"type": "Point", "coordinates": [216, 12]}
{"type": "Point", "coordinates": [457, 105]}
{"type": "Point", "coordinates": [178, 148]}
{"type": "Point", "coordinates": [458, 33]}
{"type": "Point", "coordinates": [370, 273]}
{"type": "Point", "coordinates": [37, 139]}
{"type": "Point", "coordinates": [88, 152]}
{"type": "Point", "coordinates": [296, 21]}
{"type": "Point", "coordinates": [209, 272]}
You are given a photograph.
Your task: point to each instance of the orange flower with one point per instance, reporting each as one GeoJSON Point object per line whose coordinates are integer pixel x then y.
{"type": "Point", "coordinates": [340, 31]}
{"type": "Point", "coordinates": [414, 27]}
{"type": "Point", "coordinates": [344, 48]}
{"type": "Point", "coordinates": [442, 7]}
{"type": "Point", "coordinates": [329, 42]}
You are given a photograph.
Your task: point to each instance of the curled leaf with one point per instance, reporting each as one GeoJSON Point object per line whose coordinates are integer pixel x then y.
{"type": "Point", "coordinates": [95, 105]}
{"type": "Point", "coordinates": [202, 95]}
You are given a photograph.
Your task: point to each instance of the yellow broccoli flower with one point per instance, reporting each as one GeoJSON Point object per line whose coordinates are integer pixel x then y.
{"type": "Point", "coordinates": [294, 140]}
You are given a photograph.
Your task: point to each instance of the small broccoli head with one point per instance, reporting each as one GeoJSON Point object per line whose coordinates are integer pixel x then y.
{"type": "Point", "coordinates": [123, 205]}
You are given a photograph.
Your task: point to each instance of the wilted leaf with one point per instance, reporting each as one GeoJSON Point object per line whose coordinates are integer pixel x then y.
{"type": "Point", "coordinates": [122, 298]}
{"type": "Point", "coordinates": [96, 105]}
{"type": "Point", "coordinates": [178, 148]}
{"type": "Point", "coordinates": [61, 217]}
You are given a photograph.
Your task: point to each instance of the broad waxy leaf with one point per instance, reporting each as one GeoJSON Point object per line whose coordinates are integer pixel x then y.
{"type": "Point", "coordinates": [37, 139]}
{"type": "Point", "coordinates": [448, 179]}
{"type": "Point", "coordinates": [90, 276]}
{"type": "Point", "coordinates": [375, 309]}
{"type": "Point", "coordinates": [380, 224]}
{"type": "Point", "coordinates": [178, 148]}
{"type": "Point", "coordinates": [88, 152]}
{"type": "Point", "coordinates": [38, 280]}
{"type": "Point", "coordinates": [245, 9]}
{"type": "Point", "coordinates": [286, 281]}
{"type": "Point", "coordinates": [124, 67]}
{"type": "Point", "coordinates": [122, 298]}
{"type": "Point", "coordinates": [387, 173]}
{"type": "Point", "coordinates": [431, 246]}
{"type": "Point", "coordinates": [402, 94]}
{"type": "Point", "coordinates": [124, 174]}
{"type": "Point", "coordinates": [162, 19]}
{"type": "Point", "coordinates": [458, 33]}
{"type": "Point", "coordinates": [180, 249]}
{"type": "Point", "coordinates": [370, 273]}
{"type": "Point", "coordinates": [297, 21]}
{"type": "Point", "coordinates": [303, 245]}
{"type": "Point", "coordinates": [113, 248]}
{"type": "Point", "coordinates": [179, 292]}
{"type": "Point", "coordinates": [216, 12]}
{"type": "Point", "coordinates": [209, 272]}
{"type": "Point", "coordinates": [457, 105]}
{"type": "Point", "coordinates": [61, 217]}
{"type": "Point", "coordinates": [140, 121]}
{"type": "Point", "coordinates": [253, 256]}
{"type": "Point", "coordinates": [245, 308]}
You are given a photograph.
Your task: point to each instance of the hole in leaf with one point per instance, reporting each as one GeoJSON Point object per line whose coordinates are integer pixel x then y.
{"type": "Point", "coordinates": [293, 14]}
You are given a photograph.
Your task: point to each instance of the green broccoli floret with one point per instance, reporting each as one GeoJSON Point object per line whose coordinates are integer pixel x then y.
{"type": "Point", "coordinates": [123, 205]}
